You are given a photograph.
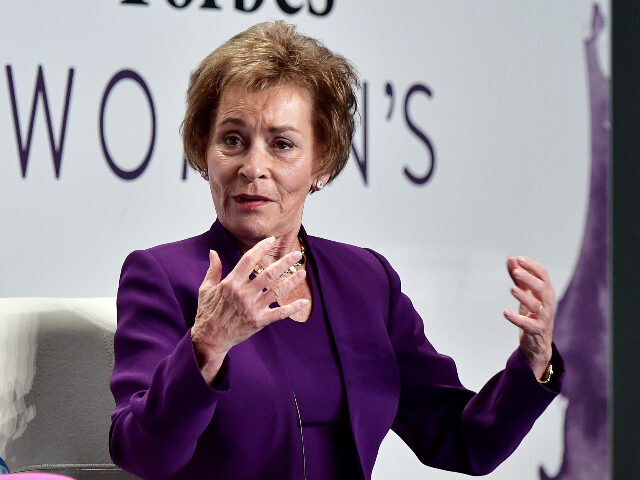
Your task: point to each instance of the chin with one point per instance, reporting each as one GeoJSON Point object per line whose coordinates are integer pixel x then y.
{"type": "Point", "coordinates": [250, 230]}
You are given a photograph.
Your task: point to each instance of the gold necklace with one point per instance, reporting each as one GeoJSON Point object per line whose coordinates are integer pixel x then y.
{"type": "Point", "coordinates": [258, 269]}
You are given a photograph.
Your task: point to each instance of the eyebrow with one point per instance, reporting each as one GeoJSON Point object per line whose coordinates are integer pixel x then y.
{"type": "Point", "coordinates": [283, 128]}
{"type": "Point", "coordinates": [233, 121]}
{"type": "Point", "coordinates": [274, 129]}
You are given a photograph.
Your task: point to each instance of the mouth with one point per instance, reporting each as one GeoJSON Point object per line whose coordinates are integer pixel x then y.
{"type": "Point", "coordinates": [251, 201]}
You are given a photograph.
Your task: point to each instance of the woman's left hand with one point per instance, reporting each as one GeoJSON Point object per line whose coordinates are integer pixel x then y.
{"type": "Point", "coordinates": [535, 293]}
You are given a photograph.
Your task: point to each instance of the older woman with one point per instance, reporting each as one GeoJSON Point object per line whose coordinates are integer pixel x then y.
{"type": "Point", "coordinates": [256, 351]}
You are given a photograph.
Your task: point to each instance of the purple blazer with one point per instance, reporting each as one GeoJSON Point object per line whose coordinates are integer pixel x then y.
{"type": "Point", "coordinates": [169, 423]}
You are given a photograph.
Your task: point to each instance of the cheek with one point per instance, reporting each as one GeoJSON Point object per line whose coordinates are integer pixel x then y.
{"type": "Point", "coordinates": [296, 179]}
{"type": "Point", "coordinates": [218, 184]}
{"type": "Point", "coordinates": [219, 175]}
{"type": "Point", "coordinates": [218, 189]}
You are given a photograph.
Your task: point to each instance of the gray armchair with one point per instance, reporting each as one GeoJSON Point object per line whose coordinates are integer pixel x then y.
{"type": "Point", "coordinates": [56, 357]}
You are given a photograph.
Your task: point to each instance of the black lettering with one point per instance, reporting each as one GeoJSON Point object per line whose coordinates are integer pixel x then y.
{"type": "Point", "coordinates": [185, 167]}
{"type": "Point", "coordinates": [127, 174]}
{"type": "Point", "coordinates": [362, 161]}
{"type": "Point", "coordinates": [321, 13]}
{"type": "Point", "coordinates": [40, 91]}
{"type": "Point", "coordinates": [173, 3]}
{"type": "Point", "coordinates": [419, 180]}
{"type": "Point", "coordinates": [240, 6]}
{"type": "Point", "coordinates": [210, 4]}
{"type": "Point", "coordinates": [284, 5]}
{"type": "Point", "coordinates": [389, 91]}
{"type": "Point", "coordinates": [286, 8]}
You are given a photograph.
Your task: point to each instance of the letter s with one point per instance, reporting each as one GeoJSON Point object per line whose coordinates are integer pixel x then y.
{"type": "Point", "coordinates": [419, 180]}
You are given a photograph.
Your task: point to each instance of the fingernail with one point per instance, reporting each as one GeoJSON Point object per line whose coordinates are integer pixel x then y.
{"type": "Point", "coordinates": [517, 272]}
{"type": "Point", "coordinates": [522, 260]}
{"type": "Point", "coordinates": [271, 239]}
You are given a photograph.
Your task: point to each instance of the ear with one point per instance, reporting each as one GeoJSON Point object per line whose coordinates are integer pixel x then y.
{"type": "Point", "coordinates": [202, 162]}
{"type": "Point", "coordinates": [202, 168]}
{"type": "Point", "coordinates": [320, 182]}
{"type": "Point", "coordinates": [321, 173]}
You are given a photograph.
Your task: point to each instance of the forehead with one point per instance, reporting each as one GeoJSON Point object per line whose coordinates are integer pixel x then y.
{"type": "Point", "coordinates": [284, 104]}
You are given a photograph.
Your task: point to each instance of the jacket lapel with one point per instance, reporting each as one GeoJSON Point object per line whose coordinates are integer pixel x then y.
{"type": "Point", "coordinates": [366, 357]}
{"type": "Point", "coordinates": [222, 242]}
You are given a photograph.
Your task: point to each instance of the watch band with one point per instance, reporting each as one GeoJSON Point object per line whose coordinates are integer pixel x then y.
{"type": "Point", "coordinates": [548, 373]}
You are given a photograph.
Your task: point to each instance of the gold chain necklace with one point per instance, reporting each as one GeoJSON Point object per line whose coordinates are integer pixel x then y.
{"type": "Point", "coordinates": [258, 269]}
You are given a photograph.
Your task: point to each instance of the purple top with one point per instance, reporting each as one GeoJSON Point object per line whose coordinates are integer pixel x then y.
{"type": "Point", "coordinates": [312, 365]}
{"type": "Point", "coordinates": [168, 423]}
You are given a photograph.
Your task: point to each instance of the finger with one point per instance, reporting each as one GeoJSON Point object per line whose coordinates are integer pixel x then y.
{"type": "Point", "coordinates": [534, 268]}
{"type": "Point", "coordinates": [512, 264]}
{"type": "Point", "coordinates": [284, 311]}
{"type": "Point", "coordinates": [527, 300]}
{"type": "Point", "coordinates": [276, 269]}
{"type": "Point", "coordinates": [528, 324]}
{"type": "Point", "coordinates": [278, 289]}
{"type": "Point", "coordinates": [539, 271]}
{"type": "Point", "coordinates": [248, 261]}
{"type": "Point", "coordinates": [214, 272]}
{"type": "Point", "coordinates": [526, 281]}
{"type": "Point", "coordinates": [523, 310]}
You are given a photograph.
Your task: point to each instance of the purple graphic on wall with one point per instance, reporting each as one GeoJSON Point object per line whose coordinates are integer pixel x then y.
{"type": "Point", "coordinates": [582, 319]}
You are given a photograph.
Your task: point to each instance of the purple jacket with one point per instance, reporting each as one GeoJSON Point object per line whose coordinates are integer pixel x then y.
{"type": "Point", "coordinates": [169, 423]}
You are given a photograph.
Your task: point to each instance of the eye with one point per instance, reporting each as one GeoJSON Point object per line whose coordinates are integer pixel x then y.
{"type": "Point", "coordinates": [232, 140]}
{"type": "Point", "coordinates": [283, 144]}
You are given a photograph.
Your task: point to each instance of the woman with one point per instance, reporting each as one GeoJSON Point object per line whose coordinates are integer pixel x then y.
{"type": "Point", "coordinates": [257, 351]}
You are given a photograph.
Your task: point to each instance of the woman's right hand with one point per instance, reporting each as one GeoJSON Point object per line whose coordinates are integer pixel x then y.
{"type": "Point", "coordinates": [232, 310]}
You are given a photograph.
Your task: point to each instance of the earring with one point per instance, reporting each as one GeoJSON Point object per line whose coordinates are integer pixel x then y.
{"type": "Point", "coordinates": [319, 184]}
{"type": "Point", "coordinates": [204, 172]}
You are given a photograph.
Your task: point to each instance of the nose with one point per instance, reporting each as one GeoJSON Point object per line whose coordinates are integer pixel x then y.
{"type": "Point", "coordinates": [254, 164]}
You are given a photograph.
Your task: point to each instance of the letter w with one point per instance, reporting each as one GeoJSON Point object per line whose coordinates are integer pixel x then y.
{"type": "Point", "coordinates": [40, 90]}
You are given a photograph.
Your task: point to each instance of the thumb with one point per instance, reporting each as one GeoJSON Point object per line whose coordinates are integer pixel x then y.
{"type": "Point", "coordinates": [214, 273]}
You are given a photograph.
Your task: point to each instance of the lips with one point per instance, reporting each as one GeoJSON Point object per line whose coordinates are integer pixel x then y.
{"type": "Point", "coordinates": [251, 201]}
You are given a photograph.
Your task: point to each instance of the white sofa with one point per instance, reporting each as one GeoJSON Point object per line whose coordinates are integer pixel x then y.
{"type": "Point", "coordinates": [56, 357]}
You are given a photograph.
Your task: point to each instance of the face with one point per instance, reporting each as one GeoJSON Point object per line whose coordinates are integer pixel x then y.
{"type": "Point", "coordinates": [260, 160]}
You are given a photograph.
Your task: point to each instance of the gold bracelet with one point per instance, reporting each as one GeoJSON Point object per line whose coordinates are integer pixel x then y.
{"type": "Point", "coordinates": [548, 372]}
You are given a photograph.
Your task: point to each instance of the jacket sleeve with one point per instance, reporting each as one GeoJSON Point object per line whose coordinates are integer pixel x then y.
{"type": "Point", "coordinates": [446, 425]}
{"type": "Point", "coordinates": [163, 404]}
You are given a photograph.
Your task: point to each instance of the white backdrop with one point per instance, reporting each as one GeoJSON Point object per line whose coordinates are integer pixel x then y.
{"type": "Point", "coordinates": [507, 118]}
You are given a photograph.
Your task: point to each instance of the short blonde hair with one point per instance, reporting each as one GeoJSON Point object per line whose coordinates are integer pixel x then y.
{"type": "Point", "coordinates": [265, 56]}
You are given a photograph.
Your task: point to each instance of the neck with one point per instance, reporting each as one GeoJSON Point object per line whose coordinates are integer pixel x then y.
{"type": "Point", "coordinates": [283, 245]}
